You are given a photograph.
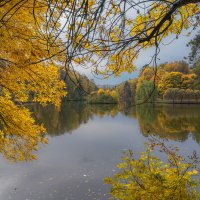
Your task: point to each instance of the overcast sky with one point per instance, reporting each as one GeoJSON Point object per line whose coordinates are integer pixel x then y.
{"type": "Point", "coordinates": [172, 52]}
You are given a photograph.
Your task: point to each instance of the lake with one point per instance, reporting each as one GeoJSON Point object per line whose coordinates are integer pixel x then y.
{"type": "Point", "coordinates": [87, 141]}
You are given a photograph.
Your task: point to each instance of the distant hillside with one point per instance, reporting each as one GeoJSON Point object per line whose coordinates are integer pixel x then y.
{"type": "Point", "coordinates": [78, 86]}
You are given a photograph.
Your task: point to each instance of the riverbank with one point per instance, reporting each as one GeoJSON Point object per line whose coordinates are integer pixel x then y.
{"type": "Point", "coordinates": [176, 102]}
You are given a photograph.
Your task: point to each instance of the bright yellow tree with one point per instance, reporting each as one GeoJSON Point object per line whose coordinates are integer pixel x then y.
{"type": "Point", "coordinates": [24, 77]}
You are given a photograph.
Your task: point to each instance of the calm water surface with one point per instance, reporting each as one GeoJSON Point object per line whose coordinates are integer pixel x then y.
{"type": "Point", "coordinates": [85, 144]}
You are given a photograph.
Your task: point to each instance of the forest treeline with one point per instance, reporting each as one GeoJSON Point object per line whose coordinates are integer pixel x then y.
{"type": "Point", "coordinates": [174, 82]}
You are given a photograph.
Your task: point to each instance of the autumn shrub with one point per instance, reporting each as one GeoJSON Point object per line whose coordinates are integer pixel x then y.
{"type": "Point", "coordinates": [103, 96]}
{"type": "Point", "coordinates": [149, 178]}
{"type": "Point", "coordinates": [101, 91]}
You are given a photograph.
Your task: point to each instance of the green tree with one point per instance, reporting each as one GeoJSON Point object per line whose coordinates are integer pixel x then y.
{"type": "Point", "coordinates": [196, 70]}
{"type": "Point", "coordinates": [147, 92]}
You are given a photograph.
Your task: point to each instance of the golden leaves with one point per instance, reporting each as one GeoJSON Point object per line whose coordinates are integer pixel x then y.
{"type": "Point", "coordinates": [24, 78]}
{"type": "Point", "coordinates": [148, 177]}
{"type": "Point", "coordinates": [91, 3]}
{"type": "Point", "coordinates": [19, 134]}
{"type": "Point", "coordinates": [38, 83]}
{"type": "Point", "coordinates": [122, 62]}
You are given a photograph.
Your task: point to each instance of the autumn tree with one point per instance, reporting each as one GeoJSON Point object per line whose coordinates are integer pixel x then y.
{"type": "Point", "coordinates": [196, 71]}
{"type": "Point", "coordinates": [21, 73]}
{"type": "Point", "coordinates": [126, 94]}
{"type": "Point", "coordinates": [147, 74]}
{"type": "Point", "coordinates": [171, 94]}
{"type": "Point", "coordinates": [176, 80]}
{"type": "Point", "coordinates": [127, 91]}
{"type": "Point", "coordinates": [177, 66]}
{"type": "Point", "coordinates": [103, 97]}
{"type": "Point", "coordinates": [182, 95]}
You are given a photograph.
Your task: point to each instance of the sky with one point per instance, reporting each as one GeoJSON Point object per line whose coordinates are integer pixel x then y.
{"type": "Point", "coordinates": [175, 51]}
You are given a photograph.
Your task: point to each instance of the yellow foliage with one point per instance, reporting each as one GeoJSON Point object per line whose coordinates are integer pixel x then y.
{"type": "Point", "coordinates": [19, 133]}
{"type": "Point", "coordinates": [24, 78]}
{"type": "Point", "coordinates": [175, 80]}
{"type": "Point", "coordinates": [113, 93]}
{"type": "Point", "coordinates": [91, 3]}
{"type": "Point", "coordinates": [142, 30]}
{"type": "Point", "coordinates": [101, 91]}
{"type": "Point", "coordinates": [148, 177]}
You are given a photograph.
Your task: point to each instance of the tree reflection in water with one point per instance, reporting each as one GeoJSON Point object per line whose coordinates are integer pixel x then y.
{"type": "Point", "coordinates": [174, 122]}
{"type": "Point", "coordinates": [171, 122]}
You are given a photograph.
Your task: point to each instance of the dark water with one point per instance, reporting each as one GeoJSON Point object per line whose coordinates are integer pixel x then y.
{"type": "Point", "coordinates": [85, 144]}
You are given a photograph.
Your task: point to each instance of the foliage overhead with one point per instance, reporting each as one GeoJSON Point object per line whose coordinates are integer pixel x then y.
{"type": "Point", "coordinates": [92, 30]}
{"type": "Point", "coordinates": [23, 78]}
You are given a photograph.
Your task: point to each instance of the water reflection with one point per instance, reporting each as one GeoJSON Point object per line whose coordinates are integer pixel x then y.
{"type": "Point", "coordinates": [174, 122]}
{"type": "Point", "coordinates": [72, 166]}
{"type": "Point", "coordinates": [17, 148]}
{"type": "Point", "coordinates": [70, 116]}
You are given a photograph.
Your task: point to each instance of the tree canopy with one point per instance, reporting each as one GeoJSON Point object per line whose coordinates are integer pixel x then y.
{"type": "Point", "coordinates": [87, 31]}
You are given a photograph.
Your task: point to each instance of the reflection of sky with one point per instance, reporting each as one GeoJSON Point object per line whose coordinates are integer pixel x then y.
{"type": "Point", "coordinates": [177, 50]}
